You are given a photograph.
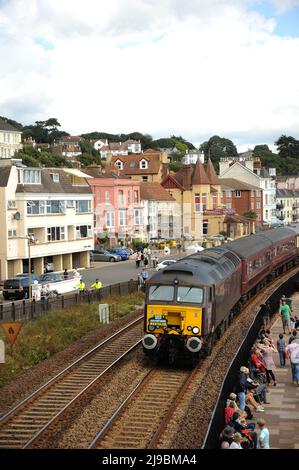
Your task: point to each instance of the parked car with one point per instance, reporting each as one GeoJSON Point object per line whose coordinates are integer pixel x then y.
{"type": "Point", "coordinates": [164, 263]}
{"type": "Point", "coordinates": [104, 256]}
{"type": "Point", "coordinates": [122, 252]}
{"type": "Point", "coordinates": [17, 287]}
{"type": "Point", "coordinates": [194, 248]}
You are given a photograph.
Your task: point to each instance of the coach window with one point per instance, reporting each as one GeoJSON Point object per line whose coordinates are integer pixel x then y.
{"type": "Point", "coordinates": [190, 294]}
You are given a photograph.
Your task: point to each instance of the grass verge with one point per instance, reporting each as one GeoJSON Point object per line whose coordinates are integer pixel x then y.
{"type": "Point", "coordinates": [56, 330]}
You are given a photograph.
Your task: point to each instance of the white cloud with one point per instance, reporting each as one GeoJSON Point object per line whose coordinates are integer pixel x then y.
{"type": "Point", "coordinates": [196, 68]}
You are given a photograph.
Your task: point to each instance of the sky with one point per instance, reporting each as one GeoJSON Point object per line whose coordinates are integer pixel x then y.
{"type": "Point", "coordinates": [195, 68]}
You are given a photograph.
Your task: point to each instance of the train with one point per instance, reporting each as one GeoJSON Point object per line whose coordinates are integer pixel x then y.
{"type": "Point", "coordinates": [189, 304]}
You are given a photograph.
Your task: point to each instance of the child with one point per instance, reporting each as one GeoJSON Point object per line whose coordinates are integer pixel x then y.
{"type": "Point", "coordinates": [292, 323]}
{"type": "Point", "coordinates": [281, 346]}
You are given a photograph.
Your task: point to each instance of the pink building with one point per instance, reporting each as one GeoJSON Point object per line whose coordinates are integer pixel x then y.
{"type": "Point", "coordinates": [118, 212]}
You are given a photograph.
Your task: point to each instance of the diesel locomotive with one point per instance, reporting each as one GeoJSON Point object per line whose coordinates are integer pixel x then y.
{"type": "Point", "coordinates": [192, 302]}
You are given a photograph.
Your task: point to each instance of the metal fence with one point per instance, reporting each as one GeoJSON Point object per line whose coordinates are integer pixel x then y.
{"type": "Point", "coordinates": [217, 422]}
{"type": "Point", "coordinates": [25, 310]}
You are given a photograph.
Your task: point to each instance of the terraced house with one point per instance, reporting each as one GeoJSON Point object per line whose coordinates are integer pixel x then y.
{"type": "Point", "coordinates": [47, 211]}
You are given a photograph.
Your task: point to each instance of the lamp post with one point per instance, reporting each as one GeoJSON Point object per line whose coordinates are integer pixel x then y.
{"type": "Point", "coordinates": [30, 239]}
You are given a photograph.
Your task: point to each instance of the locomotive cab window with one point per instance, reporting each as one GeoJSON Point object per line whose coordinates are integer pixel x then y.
{"type": "Point", "coordinates": [163, 293]}
{"type": "Point", "coordinates": [190, 294]}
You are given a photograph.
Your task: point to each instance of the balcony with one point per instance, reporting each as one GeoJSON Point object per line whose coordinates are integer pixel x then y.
{"type": "Point", "coordinates": [295, 205]}
{"type": "Point", "coordinates": [295, 217]}
{"type": "Point", "coordinates": [281, 216]}
{"type": "Point", "coordinates": [279, 206]}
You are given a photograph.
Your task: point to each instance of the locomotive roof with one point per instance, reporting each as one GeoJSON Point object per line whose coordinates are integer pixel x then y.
{"type": "Point", "coordinates": [249, 246]}
{"type": "Point", "coordinates": [208, 267]}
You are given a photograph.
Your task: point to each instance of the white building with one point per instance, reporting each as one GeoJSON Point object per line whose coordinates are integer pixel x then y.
{"type": "Point", "coordinates": [248, 169]}
{"type": "Point", "coordinates": [117, 148]}
{"type": "Point", "coordinates": [10, 139]}
{"type": "Point", "coordinates": [192, 156]}
{"type": "Point", "coordinates": [161, 212]}
{"type": "Point", "coordinates": [53, 205]}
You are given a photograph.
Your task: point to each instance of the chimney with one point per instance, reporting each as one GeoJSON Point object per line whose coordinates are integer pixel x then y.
{"type": "Point", "coordinates": [165, 170]}
{"type": "Point", "coordinates": [187, 176]}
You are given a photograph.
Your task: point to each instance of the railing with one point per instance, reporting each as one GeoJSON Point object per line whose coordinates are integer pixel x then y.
{"type": "Point", "coordinates": [25, 310]}
{"type": "Point", "coordinates": [279, 206]}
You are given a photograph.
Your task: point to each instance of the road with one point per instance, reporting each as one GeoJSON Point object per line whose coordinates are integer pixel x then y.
{"type": "Point", "coordinates": [112, 273]}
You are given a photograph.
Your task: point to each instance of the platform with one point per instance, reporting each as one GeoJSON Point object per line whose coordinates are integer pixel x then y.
{"type": "Point", "coordinates": [282, 414]}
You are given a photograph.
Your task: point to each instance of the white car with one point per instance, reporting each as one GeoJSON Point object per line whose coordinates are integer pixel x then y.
{"type": "Point", "coordinates": [195, 248]}
{"type": "Point", "coordinates": [164, 263]}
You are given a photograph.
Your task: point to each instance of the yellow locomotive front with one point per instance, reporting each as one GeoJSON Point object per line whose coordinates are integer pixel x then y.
{"type": "Point", "coordinates": [173, 320]}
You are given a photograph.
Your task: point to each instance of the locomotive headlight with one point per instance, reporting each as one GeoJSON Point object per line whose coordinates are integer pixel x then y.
{"type": "Point", "coordinates": [189, 328]}
{"type": "Point", "coordinates": [195, 330]}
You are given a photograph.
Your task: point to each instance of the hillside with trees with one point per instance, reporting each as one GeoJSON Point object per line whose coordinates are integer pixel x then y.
{"type": "Point", "coordinates": [46, 133]}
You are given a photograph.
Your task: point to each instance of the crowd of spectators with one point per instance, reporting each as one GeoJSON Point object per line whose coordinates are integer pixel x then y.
{"type": "Point", "coordinates": [252, 384]}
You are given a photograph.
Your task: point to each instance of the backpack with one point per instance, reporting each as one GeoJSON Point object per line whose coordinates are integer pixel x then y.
{"type": "Point", "coordinates": [295, 357]}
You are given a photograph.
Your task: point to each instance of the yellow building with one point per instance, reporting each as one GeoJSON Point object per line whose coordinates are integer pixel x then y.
{"type": "Point", "coordinates": [198, 192]}
{"type": "Point", "coordinates": [149, 166]}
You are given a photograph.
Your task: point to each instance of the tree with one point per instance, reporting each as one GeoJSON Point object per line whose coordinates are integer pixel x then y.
{"type": "Point", "coordinates": [288, 146]}
{"type": "Point", "coordinates": [250, 214]}
{"type": "Point", "coordinates": [217, 147]}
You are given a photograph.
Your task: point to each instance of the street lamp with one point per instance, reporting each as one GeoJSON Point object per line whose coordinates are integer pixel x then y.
{"type": "Point", "coordinates": [30, 239]}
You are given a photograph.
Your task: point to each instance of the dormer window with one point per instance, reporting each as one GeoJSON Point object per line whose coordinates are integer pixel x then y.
{"type": "Point", "coordinates": [55, 177]}
{"type": "Point", "coordinates": [119, 164]}
{"type": "Point", "coordinates": [143, 164]}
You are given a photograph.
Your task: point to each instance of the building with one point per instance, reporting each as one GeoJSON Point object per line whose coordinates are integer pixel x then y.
{"type": "Point", "coordinates": [249, 170]}
{"type": "Point", "coordinates": [107, 149]}
{"type": "Point", "coordinates": [161, 212]}
{"type": "Point", "coordinates": [149, 166]}
{"type": "Point", "coordinates": [287, 182]}
{"type": "Point", "coordinates": [69, 147]}
{"type": "Point", "coordinates": [241, 197]}
{"type": "Point", "coordinates": [10, 139]}
{"type": "Point", "coordinates": [117, 207]}
{"type": "Point", "coordinates": [197, 190]}
{"type": "Point", "coordinates": [192, 156]}
{"type": "Point", "coordinates": [287, 206]}
{"type": "Point", "coordinates": [55, 208]}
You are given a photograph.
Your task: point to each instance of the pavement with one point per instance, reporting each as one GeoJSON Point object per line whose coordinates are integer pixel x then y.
{"type": "Point", "coordinates": [282, 415]}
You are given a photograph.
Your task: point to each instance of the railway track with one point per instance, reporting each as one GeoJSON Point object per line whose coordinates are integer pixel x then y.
{"type": "Point", "coordinates": [144, 414]}
{"type": "Point", "coordinates": [27, 421]}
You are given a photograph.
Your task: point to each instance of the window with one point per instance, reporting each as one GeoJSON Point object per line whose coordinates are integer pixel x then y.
{"type": "Point", "coordinates": [137, 217]}
{"type": "Point", "coordinates": [237, 193]}
{"type": "Point", "coordinates": [12, 233]}
{"type": "Point", "coordinates": [205, 227]}
{"type": "Point", "coordinates": [228, 194]}
{"type": "Point", "coordinates": [119, 164]}
{"type": "Point", "coordinates": [121, 199]}
{"type": "Point", "coordinates": [30, 176]}
{"type": "Point", "coordinates": [107, 197]}
{"type": "Point", "coordinates": [110, 219]}
{"type": "Point", "coordinates": [197, 202]}
{"type": "Point", "coordinates": [143, 165]}
{"type": "Point", "coordinates": [55, 234]}
{"type": "Point", "coordinates": [190, 294]}
{"type": "Point", "coordinates": [258, 205]}
{"type": "Point", "coordinates": [83, 206]}
{"type": "Point", "coordinates": [83, 231]}
{"type": "Point", "coordinates": [145, 178]}
{"type": "Point", "coordinates": [164, 293]}
{"type": "Point", "coordinates": [129, 198]}
{"type": "Point", "coordinates": [122, 218]}
{"type": "Point", "coordinates": [204, 201]}
{"type": "Point", "coordinates": [228, 205]}
{"type": "Point", "coordinates": [135, 197]}
{"type": "Point", "coordinates": [36, 207]}
{"type": "Point", "coordinates": [11, 204]}
{"type": "Point", "coordinates": [266, 199]}
{"type": "Point", "coordinates": [214, 201]}
{"type": "Point", "coordinates": [55, 207]}
{"type": "Point", "coordinates": [55, 177]}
